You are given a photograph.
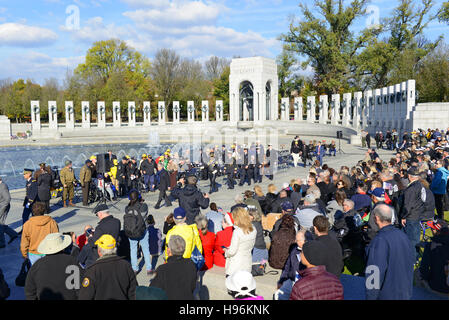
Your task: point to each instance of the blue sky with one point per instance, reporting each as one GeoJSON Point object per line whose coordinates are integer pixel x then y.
{"type": "Point", "coordinates": [41, 39]}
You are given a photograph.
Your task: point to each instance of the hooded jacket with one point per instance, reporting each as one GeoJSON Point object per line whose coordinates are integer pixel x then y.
{"type": "Point", "coordinates": [191, 236]}
{"type": "Point", "coordinates": [34, 231]}
{"type": "Point", "coordinates": [191, 199]}
{"type": "Point", "coordinates": [438, 185]}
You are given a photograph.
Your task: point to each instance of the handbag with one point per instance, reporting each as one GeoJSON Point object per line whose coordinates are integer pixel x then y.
{"type": "Point", "coordinates": [258, 269]}
{"type": "Point", "coordinates": [197, 258]}
{"type": "Point", "coordinates": [22, 276]}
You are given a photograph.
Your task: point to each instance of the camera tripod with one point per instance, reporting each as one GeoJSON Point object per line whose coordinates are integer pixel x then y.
{"type": "Point", "coordinates": [340, 151]}
{"type": "Point", "coordinates": [102, 199]}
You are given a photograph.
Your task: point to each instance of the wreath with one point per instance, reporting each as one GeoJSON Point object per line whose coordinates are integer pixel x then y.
{"type": "Point", "coordinates": [36, 109]}
{"type": "Point", "coordinates": [205, 109]}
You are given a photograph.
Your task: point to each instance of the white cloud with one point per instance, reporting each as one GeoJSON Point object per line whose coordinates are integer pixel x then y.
{"type": "Point", "coordinates": [21, 35]}
{"type": "Point", "coordinates": [147, 3]}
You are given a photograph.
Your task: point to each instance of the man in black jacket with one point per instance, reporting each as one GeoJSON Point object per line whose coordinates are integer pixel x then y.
{"type": "Point", "coordinates": [110, 277]}
{"type": "Point", "coordinates": [44, 182]}
{"type": "Point", "coordinates": [147, 169]}
{"type": "Point", "coordinates": [413, 207]}
{"type": "Point", "coordinates": [122, 177]}
{"type": "Point", "coordinates": [178, 276]}
{"type": "Point", "coordinates": [230, 169]}
{"type": "Point", "coordinates": [164, 185]}
{"type": "Point", "coordinates": [191, 199]}
{"type": "Point", "coordinates": [296, 150]}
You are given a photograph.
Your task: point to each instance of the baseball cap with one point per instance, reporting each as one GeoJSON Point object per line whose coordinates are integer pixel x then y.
{"type": "Point", "coordinates": [413, 171]}
{"type": "Point", "coordinates": [106, 241]}
{"type": "Point", "coordinates": [101, 208]}
{"type": "Point", "coordinates": [377, 192]}
{"type": "Point", "coordinates": [287, 206]}
{"type": "Point", "coordinates": [179, 213]}
{"type": "Point", "coordinates": [29, 171]}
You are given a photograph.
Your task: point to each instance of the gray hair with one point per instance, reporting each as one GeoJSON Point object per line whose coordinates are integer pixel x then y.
{"type": "Point", "coordinates": [107, 252]}
{"type": "Point", "coordinates": [349, 203]}
{"type": "Point", "coordinates": [179, 221]}
{"type": "Point", "coordinates": [177, 245]}
{"type": "Point", "coordinates": [201, 222]}
{"type": "Point", "coordinates": [384, 212]}
{"type": "Point", "coordinates": [257, 216]}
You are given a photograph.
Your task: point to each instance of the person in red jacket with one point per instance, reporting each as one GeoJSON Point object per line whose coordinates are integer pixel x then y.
{"type": "Point", "coordinates": [223, 239]}
{"type": "Point", "coordinates": [315, 282]}
{"type": "Point", "coordinates": [207, 241]}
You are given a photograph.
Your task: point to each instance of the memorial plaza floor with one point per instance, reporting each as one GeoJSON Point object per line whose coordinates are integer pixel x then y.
{"type": "Point", "coordinates": [212, 285]}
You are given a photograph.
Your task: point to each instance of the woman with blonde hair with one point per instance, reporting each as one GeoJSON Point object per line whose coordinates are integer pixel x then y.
{"type": "Point", "coordinates": [260, 252]}
{"type": "Point", "coordinates": [238, 255]}
{"type": "Point", "coordinates": [270, 198]}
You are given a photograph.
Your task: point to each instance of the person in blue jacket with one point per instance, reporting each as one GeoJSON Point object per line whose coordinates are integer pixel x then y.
{"type": "Point", "coordinates": [438, 187]}
{"type": "Point", "coordinates": [391, 258]}
{"type": "Point", "coordinates": [320, 152]}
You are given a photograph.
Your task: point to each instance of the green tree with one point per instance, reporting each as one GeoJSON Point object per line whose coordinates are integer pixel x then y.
{"type": "Point", "coordinates": [290, 81]}
{"type": "Point", "coordinates": [443, 14]}
{"type": "Point", "coordinates": [221, 89]}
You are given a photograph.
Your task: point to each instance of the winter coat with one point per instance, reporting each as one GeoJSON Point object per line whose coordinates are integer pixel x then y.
{"type": "Point", "coordinates": [439, 182]}
{"type": "Point", "coordinates": [413, 201]}
{"type": "Point", "coordinates": [260, 241]}
{"type": "Point", "coordinates": [208, 243]}
{"type": "Point", "coordinates": [191, 199]}
{"type": "Point", "coordinates": [434, 261]}
{"type": "Point", "coordinates": [155, 241]}
{"type": "Point", "coordinates": [392, 254]}
{"type": "Point", "coordinates": [190, 234]}
{"type": "Point", "coordinates": [238, 256]}
{"type": "Point", "coordinates": [317, 284]}
{"type": "Point", "coordinates": [223, 239]}
{"type": "Point", "coordinates": [109, 278]}
{"type": "Point", "coordinates": [108, 225]}
{"type": "Point", "coordinates": [67, 176]}
{"type": "Point", "coordinates": [269, 199]}
{"type": "Point", "coordinates": [332, 208]}
{"type": "Point", "coordinates": [34, 231]}
{"type": "Point", "coordinates": [281, 245]}
{"type": "Point", "coordinates": [361, 201]}
{"type": "Point", "coordinates": [177, 278]}
{"type": "Point", "coordinates": [85, 175]}
{"type": "Point", "coordinates": [43, 186]}
{"type": "Point", "coordinates": [292, 266]}
{"type": "Point", "coordinates": [276, 206]}
{"type": "Point", "coordinates": [46, 279]}
{"type": "Point", "coordinates": [5, 199]}
{"type": "Point", "coordinates": [306, 214]}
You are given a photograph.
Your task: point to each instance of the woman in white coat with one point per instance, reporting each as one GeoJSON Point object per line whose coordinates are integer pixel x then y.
{"type": "Point", "coordinates": [238, 255]}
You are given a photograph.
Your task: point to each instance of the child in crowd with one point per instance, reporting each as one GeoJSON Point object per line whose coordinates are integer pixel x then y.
{"type": "Point", "coordinates": [155, 241]}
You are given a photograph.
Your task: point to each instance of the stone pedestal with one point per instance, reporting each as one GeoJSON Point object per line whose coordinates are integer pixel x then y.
{"type": "Point", "coordinates": [5, 128]}
{"type": "Point", "coordinates": [131, 114]}
{"type": "Point", "coordinates": [146, 113]}
{"type": "Point", "coordinates": [205, 111]}
{"type": "Point", "coordinates": [35, 116]}
{"type": "Point", "coordinates": [161, 112]}
{"type": "Point", "coordinates": [176, 112]}
{"type": "Point", "coordinates": [285, 109]}
{"type": "Point", "coordinates": [69, 115]}
{"type": "Point", "coordinates": [85, 111]}
{"type": "Point", "coordinates": [190, 111]}
{"type": "Point", "coordinates": [117, 120]}
{"type": "Point", "coordinates": [367, 110]}
{"type": "Point", "coordinates": [298, 107]}
{"type": "Point", "coordinates": [219, 110]}
{"type": "Point", "coordinates": [346, 109]}
{"type": "Point", "coordinates": [357, 110]}
{"type": "Point", "coordinates": [101, 114]}
{"type": "Point", "coordinates": [311, 109]}
{"type": "Point", "coordinates": [52, 115]}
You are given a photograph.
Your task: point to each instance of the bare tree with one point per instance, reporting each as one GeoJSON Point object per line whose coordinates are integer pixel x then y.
{"type": "Point", "coordinates": [214, 67]}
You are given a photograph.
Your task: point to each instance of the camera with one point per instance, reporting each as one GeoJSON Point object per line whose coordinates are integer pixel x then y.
{"type": "Point", "coordinates": [339, 134]}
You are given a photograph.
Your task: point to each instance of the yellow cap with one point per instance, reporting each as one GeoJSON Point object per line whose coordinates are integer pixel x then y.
{"type": "Point", "coordinates": [128, 157]}
{"type": "Point", "coordinates": [161, 158]}
{"type": "Point", "coordinates": [115, 161]}
{"type": "Point", "coordinates": [93, 157]}
{"type": "Point", "coordinates": [144, 155]}
{"type": "Point", "coordinates": [106, 241]}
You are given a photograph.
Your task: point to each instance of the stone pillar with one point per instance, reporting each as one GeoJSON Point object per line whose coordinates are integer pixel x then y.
{"type": "Point", "coordinates": [285, 109]}
{"type": "Point", "coordinates": [101, 114]}
{"type": "Point", "coordinates": [346, 109]}
{"type": "Point", "coordinates": [131, 114]}
{"type": "Point", "coordinates": [324, 109]}
{"type": "Point", "coordinates": [117, 120]}
{"type": "Point", "coordinates": [397, 107]}
{"type": "Point", "coordinates": [357, 109]}
{"type": "Point", "coordinates": [190, 111]}
{"type": "Point", "coordinates": [35, 116]}
{"type": "Point", "coordinates": [5, 128]}
{"type": "Point", "coordinates": [367, 109]}
{"type": "Point", "coordinates": [85, 111]}
{"type": "Point", "coordinates": [69, 115]}
{"type": "Point", "coordinates": [385, 108]}
{"type": "Point", "coordinates": [219, 110]}
{"type": "Point", "coordinates": [176, 112]}
{"type": "Point", "coordinates": [298, 107]}
{"type": "Point", "coordinates": [205, 111]}
{"type": "Point", "coordinates": [146, 113]}
{"type": "Point", "coordinates": [411, 103]}
{"type": "Point", "coordinates": [311, 109]}
{"type": "Point", "coordinates": [52, 115]}
{"type": "Point", "coordinates": [161, 112]}
{"type": "Point", "coordinates": [377, 109]}
{"type": "Point", "coordinates": [335, 109]}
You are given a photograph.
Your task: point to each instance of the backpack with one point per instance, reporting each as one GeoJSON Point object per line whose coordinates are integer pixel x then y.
{"type": "Point", "coordinates": [134, 224]}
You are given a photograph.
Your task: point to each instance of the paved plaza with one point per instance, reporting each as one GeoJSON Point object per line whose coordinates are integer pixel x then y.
{"type": "Point", "coordinates": [212, 285]}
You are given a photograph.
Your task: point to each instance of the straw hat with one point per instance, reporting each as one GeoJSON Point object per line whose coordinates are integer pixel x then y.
{"type": "Point", "coordinates": [54, 243]}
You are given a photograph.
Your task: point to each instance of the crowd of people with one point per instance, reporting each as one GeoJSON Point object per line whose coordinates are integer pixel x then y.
{"type": "Point", "coordinates": [374, 212]}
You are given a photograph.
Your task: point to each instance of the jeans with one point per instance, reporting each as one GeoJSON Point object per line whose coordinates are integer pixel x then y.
{"type": "Point", "coordinates": [285, 290]}
{"type": "Point", "coordinates": [34, 257]}
{"type": "Point", "coordinates": [413, 231]}
{"type": "Point", "coordinates": [10, 232]}
{"type": "Point", "coordinates": [133, 244]}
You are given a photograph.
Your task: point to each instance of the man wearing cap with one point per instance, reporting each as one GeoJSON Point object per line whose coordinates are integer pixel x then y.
{"type": "Point", "coordinates": [31, 194]}
{"type": "Point", "coordinates": [296, 150]}
{"type": "Point", "coordinates": [148, 169]}
{"type": "Point", "coordinates": [85, 179]}
{"type": "Point", "coordinates": [306, 213]}
{"type": "Point", "coordinates": [287, 209]}
{"type": "Point", "coordinates": [48, 277]}
{"type": "Point", "coordinates": [377, 198]}
{"type": "Point", "coordinates": [67, 177]}
{"type": "Point", "coordinates": [390, 260]}
{"type": "Point", "coordinates": [435, 261]}
{"type": "Point", "coordinates": [110, 277]}
{"type": "Point", "coordinates": [164, 185]}
{"type": "Point", "coordinates": [413, 207]}
{"type": "Point", "coordinates": [316, 283]}
{"type": "Point", "coordinates": [44, 182]}
{"type": "Point", "coordinates": [230, 169]}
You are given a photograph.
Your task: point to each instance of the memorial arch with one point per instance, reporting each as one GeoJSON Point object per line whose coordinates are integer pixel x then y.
{"type": "Point", "coordinates": [253, 90]}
